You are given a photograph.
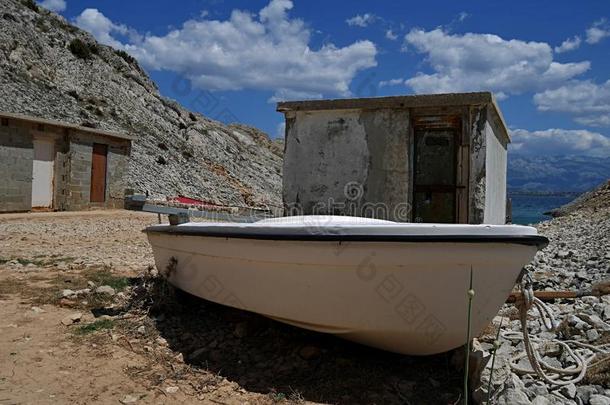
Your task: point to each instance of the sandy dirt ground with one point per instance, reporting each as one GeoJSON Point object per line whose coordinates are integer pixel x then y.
{"type": "Point", "coordinates": [61, 341]}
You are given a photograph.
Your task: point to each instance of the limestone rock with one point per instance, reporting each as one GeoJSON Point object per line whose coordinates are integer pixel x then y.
{"type": "Point", "coordinates": [129, 399]}
{"type": "Point", "coordinates": [599, 400]}
{"type": "Point", "coordinates": [513, 396]}
{"type": "Point", "coordinates": [105, 289]}
{"type": "Point", "coordinates": [72, 318]}
{"type": "Point", "coordinates": [568, 391]}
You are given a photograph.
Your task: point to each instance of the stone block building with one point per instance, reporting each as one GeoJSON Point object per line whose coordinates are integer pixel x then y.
{"type": "Point", "coordinates": [49, 165]}
{"type": "Point", "coordinates": [422, 158]}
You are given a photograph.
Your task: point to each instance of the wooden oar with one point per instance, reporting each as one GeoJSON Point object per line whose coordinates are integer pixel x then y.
{"type": "Point", "coordinates": [597, 290]}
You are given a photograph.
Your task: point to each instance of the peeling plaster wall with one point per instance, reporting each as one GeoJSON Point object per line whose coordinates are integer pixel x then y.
{"type": "Point", "coordinates": [348, 162]}
{"type": "Point", "coordinates": [477, 181]}
{"type": "Point", "coordinates": [359, 162]}
{"type": "Point", "coordinates": [495, 180]}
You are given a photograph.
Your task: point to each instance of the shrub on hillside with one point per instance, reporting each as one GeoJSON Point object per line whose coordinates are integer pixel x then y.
{"type": "Point", "coordinates": [81, 49]}
{"type": "Point", "coordinates": [126, 57]}
{"type": "Point", "coordinates": [31, 4]}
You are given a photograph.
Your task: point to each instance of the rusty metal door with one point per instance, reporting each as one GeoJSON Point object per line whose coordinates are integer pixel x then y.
{"type": "Point", "coordinates": [434, 179]}
{"type": "Point", "coordinates": [98, 172]}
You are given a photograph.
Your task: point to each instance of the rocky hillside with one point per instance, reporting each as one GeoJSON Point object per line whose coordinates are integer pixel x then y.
{"type": "Point", "coordinates": [596, 199]}
{"type": "Point", "coordinates": [51, 69]}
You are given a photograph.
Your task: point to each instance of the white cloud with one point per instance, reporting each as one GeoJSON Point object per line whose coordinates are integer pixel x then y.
{"type": "Point", "coordinates": [560, 142]}
{"type": "Point", "coordinates": [292, 95]}
{"type": "Point", "coordinates": [597, 120]}
{"type": "Point", "coordinates": [54, 5]}
{"type": "Point", "coordinates": [264, 51]}
{"type": "Point", "coordinates": [588, 101]}
{"type": "Point", "coordinates": [472, 62]}
{"type": "Point", "coordinates": [361, 20]}
{"type": "Point", "coordinates": [391, 82]}
{"type": "Point", "coordinates": [462, 16]}
{"type": "Point", "coordinates": [389, 34]}
{"type": "Point", "coordinates": [280, 130]}
{"type": "Point", "coordinates": [569, 44]}
{"type": "Point", "coordinates": [598, 31]}
{"type": "Point", "coordinates": [92, 20]}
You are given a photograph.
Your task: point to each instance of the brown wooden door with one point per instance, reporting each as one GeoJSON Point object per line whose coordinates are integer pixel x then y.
{"type": "Point", "coordinates": [98, 172]}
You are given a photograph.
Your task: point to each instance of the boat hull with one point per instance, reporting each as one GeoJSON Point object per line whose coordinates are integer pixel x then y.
{"type": "Point", "coordinates": [404, 297]}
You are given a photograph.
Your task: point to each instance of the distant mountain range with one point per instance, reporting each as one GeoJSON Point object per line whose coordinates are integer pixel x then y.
{"type": "Point", "coordinates": [556, 173]}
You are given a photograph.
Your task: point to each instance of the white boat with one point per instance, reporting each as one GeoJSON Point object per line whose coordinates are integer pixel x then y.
{"type": "Point", "coordinates": [396, 286]}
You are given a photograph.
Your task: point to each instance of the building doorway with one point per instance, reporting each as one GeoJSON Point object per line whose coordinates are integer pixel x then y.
{"type": "Point", "coordinates": [98, 172]}
{"type": "Point", "coordinates": [435, 174]}
{"type": "Point", "coordinates": [42, 173]}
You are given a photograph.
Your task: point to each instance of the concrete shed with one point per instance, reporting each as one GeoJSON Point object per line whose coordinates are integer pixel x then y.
{"type": "Point", "coordinates": [422, 158]}
{"type": "Point", "coordinates": [49, 165]}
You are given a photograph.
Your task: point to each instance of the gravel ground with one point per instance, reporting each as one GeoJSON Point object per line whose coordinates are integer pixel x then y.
{"type": "Point", "coordinates": [577, 258]}
{"type": "Point", "coordinates": [166, 347]}
{"type": "Point", "coordinates": [77, 286]}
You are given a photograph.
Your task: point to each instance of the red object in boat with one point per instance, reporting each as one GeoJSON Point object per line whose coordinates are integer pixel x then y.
{"type": "Point", "coordinates": [193, 201]}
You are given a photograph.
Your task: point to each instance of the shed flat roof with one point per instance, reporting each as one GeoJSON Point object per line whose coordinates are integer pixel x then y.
{"type": "Point", "coordinates": [398, 102]}
{"type": "Point", "coordinates": [61, 124]}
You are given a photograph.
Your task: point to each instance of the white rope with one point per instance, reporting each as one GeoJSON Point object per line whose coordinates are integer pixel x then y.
{"type": "Point", "coordinates": [582, 354]}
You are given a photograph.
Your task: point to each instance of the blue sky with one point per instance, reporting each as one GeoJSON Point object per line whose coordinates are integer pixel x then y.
{"type": "Point", "coordinates": [547, 61]}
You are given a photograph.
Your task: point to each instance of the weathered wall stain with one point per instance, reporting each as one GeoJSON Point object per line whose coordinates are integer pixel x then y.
{"type": "Point", "coordinates": [368, 145]}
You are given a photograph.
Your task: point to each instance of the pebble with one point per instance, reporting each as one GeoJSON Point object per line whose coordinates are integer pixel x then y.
{"type": "Point", "coordinates": [309, 352]}
{"type": "Point", "coordinates": [105, 289]}
{"type": "Point", "coordinates": [513, 396]}
{"type": "Point", "coordinates": [584, 393]}
{"type": "Point", "coordinates": [606, 312]}
{"type": "Point", "coordinates": [72, 318]}
{"type": "Point", "coordinates": [68, 293]}
{"type": "Point", "coordinates": [599, 400]}
{"type": "Point", "coordinates": [540, 400]}
{"type": "Point", "coordinates": [129, 399]}
{"type": "Point", "coordinates": [592, 335]}
{"type": "Point", "coordinates": [171, 389]}
{"type": "Point", "coordinates": [568, 391]}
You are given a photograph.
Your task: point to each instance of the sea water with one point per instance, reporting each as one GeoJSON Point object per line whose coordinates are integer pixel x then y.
{"type": "Point", "coordinates": [530, 209]}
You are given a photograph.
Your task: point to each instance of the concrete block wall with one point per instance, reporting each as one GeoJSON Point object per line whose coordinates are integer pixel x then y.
{"type": "Point", "coordinates": [80, 157]}
{"type": "Point", "coordinates": [79, 179]}
{"type": "Point", "coordinates": [118, 164]}
{"type": "Point", "coordinates": [61, 174]}
{"type": "Point", "coordinates": [16, 155]}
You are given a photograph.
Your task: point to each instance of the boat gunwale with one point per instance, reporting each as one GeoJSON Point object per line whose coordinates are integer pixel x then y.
{"type": "Point", "coordinates": [529, 240]}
